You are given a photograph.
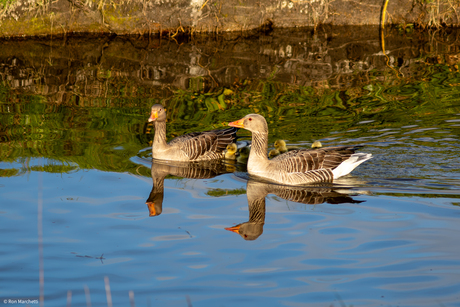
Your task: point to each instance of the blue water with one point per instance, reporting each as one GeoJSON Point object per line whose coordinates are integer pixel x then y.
{"type": "Point", "coordinates": [75, 175]}
{"type": "Point", "coordinates": [392, 245]}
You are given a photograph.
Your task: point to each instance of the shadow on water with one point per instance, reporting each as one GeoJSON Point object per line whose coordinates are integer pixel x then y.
{"type": "Point", "coordinates": [75, 157]}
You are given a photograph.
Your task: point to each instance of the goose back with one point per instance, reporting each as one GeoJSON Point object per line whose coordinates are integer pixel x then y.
{"type": "Point", "coordinates": [206, 145]}
{"type": "Point", "coordinates": [305, 160]}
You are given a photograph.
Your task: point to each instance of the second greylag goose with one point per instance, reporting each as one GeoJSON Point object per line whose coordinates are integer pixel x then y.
{"type": "Point", "coordinates": [195, 146]}
{"type": "Point", "coordinates": [297, 167]}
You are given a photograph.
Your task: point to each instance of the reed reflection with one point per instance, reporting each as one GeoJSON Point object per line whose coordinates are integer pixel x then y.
{"type": "Point", "coordinates": [191, 170]}
{"type": "Point", "coordinates": [257, 191]}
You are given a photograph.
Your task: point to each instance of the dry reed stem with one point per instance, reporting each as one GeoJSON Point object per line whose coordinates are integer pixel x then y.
{"type": "Point", "coordinates": [108, 294]}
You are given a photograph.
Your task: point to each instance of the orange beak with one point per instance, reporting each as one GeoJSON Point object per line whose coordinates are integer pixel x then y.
{"type": "Point", "coordinates": [151, 206]}
{"type": "Point", "coordinates": [235, 229]}
{"type": "Point", "coordinates": [153, 116]}
{"type": "Point", "coordinates": [238, 124]}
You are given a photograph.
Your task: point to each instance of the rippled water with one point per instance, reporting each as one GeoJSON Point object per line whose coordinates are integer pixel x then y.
{"type": "Point", "coordinates": [76, 229]}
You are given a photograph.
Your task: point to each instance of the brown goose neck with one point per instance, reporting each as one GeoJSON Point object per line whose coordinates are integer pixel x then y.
{"type": "Point", "coordinates": [259, 144]}
{"type": "Point", "coordinates": [160, 133]}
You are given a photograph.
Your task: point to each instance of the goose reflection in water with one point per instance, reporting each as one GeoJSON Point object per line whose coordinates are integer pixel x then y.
{"type": "Point", "coordinates": [191, 170]}
{"type": "Point", "coordinates": [257, 191]}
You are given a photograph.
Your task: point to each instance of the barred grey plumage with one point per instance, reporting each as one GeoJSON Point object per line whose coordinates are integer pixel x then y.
{"type": "Point", "coordinates": [195, 146]}
{"type": "Point", "coordinates": [297, 167]}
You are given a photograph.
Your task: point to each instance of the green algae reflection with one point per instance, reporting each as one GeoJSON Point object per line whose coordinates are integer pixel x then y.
{"type": "Point", "coordinates": [106, 132]}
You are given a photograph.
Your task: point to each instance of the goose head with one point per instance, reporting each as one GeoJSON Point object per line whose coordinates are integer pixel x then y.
{"type": "Point", "coordinates": [252, 122]}
{"type": "Point", "coordinates": [157, 113]}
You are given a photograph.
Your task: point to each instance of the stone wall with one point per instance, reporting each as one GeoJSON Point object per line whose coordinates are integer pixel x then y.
{"type": "Point", "coordinates": [177, 17]}
{"type": "Point", "coordinates": [142, 67]}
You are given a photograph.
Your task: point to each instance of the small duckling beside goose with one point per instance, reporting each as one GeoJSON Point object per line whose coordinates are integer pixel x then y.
{"type": "Point", "coordinates": [281, 146]}
{"type": "Point", "coordinates": [230, 153]}
{"type": "Point", "coordinates": [316, 144]}
{"type": "Point", "coordinates": [243, 155]}
{"type": "Point", "coordinates": [195, 146]}
{"type": "Point", "coordinates": [297, 167]}
{"type": "Point", "coordinates": [273, 153]}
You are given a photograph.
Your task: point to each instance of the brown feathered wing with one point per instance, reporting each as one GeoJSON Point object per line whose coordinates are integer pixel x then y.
{"type": "Point", "coordinates": [205, 144]}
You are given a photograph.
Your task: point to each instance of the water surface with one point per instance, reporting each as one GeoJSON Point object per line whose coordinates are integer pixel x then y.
{"type": "Point", "coordinates": [87, 221]}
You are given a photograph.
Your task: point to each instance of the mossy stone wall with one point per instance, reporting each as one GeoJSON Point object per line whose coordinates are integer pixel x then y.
{"type": "Point", "coordinates": [175, 17]}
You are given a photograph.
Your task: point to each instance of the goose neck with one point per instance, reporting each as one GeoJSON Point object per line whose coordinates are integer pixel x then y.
{"type": "Point", "coordinates": [259, 145]}
{"type": "Point", "coordinates": [160, 133]}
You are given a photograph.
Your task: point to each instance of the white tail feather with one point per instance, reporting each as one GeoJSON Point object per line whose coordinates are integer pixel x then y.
{"type": "Point", "coordinates": [350, 164]}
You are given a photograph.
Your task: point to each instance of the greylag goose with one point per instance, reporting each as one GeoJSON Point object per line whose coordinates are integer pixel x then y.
{"type": "Point", "coordinates": [195, 146]}
{"type": "Point", "coordinates": [297, 167]}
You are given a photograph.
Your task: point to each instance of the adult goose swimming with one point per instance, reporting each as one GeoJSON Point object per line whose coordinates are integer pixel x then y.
{"type": "Point", "coordinates": [195, 146]}
{"type": "Point", "coordinates": [297, 167]}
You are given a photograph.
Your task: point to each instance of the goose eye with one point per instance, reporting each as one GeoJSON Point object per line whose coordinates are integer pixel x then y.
{"type": "Point", "coordinates": [250, 118]}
